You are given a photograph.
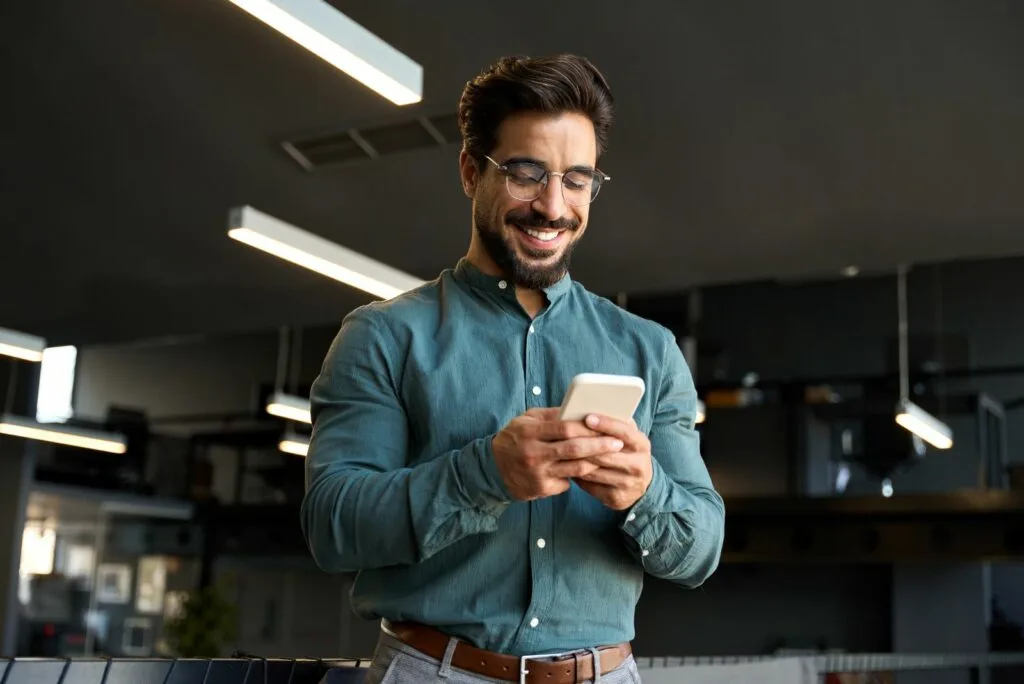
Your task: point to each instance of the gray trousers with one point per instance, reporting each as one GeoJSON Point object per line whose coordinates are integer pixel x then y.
{"type": "Point", "coordinates": [397, 663]}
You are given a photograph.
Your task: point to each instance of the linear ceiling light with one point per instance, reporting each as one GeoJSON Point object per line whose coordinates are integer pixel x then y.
{"type": "Point", "coordinates": [344, 44]}
{"type": "Point", "coordinates": [21, 345]}
{"type": "Point", "coordinates": [294, 446]}
{"type": "Point", "coordinates": [302, 248]}
{"type": "Point", "coordinates": [909, 415]}
{"type": "Point", "coordinates": [67, 435]}
{"type": "Point", "coordinates": [912, 417]}
{"type": "Point", "coordinates": [289, 407]}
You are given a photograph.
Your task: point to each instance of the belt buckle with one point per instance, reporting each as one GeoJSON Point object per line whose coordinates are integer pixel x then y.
{"type": "Point", "coordinates": [523, 671]}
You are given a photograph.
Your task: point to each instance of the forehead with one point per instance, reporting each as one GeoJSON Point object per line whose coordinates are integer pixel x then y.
{"type": "Point", "coordinates": [558, 140]}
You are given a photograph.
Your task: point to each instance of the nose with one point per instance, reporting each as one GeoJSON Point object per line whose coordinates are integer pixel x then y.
{"type": "Point", "coordinates": [550, 203]}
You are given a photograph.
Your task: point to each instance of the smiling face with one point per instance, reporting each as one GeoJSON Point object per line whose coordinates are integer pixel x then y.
{"type": "Point", "coordinates": [529, 242]}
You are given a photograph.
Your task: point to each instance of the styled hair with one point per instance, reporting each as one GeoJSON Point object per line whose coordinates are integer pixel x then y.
{"type": "Point", "coordinates": [550, 85]}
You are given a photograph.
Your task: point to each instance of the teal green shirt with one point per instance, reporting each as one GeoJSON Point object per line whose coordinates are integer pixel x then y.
{"type": "Point", "coordinates": [401, 484]}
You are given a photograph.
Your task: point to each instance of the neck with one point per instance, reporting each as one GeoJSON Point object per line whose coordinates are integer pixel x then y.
{"type": "Point", "coordinates": [478, 256]}
{"type": "Point", "coordinates": [532, 301]}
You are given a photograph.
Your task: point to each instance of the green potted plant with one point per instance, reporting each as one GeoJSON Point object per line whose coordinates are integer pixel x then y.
{"type": "Point", "coordinates": [205, 623]}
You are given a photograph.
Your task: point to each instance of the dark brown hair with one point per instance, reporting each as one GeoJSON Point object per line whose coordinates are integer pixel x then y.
{"type": "Point", "coordinates": [552, 85]}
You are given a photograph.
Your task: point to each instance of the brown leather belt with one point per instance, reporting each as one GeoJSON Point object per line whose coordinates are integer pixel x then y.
{"type": "Point", "coordinates": [569, 669]}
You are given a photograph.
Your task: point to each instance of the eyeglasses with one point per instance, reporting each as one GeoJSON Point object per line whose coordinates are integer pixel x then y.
{"type": "Point", "coordinates": [526, 180]}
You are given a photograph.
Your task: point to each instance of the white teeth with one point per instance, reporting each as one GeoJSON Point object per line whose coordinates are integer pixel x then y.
{"type": "Point", "coordinates": [545, 235]}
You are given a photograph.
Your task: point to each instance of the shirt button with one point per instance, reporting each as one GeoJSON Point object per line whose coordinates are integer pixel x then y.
{"type": "Point", "coordinates": [532, 330]}
{"type": "Point", "coordinates": [534, 622]}
{"type": "Point", "coordinates": [631, 517]}
{"type": "Point", "coordinates": [541, 543]}
{"type": "Point", "coordinates": [535, 390]}
{"type": "Point", "coordinates": [645, 553]}
{"type": "Point", "coordinates": [502, 284]}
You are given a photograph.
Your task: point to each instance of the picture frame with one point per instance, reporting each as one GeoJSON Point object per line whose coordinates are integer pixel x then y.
{"type": "Point", "coordinates": [113, 583]}
{"type": "Point", "coordinates": [137, 637]}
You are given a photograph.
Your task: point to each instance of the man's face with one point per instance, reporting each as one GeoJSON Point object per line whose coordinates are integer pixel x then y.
{"type": "Point", "coordinates": [532, 241]}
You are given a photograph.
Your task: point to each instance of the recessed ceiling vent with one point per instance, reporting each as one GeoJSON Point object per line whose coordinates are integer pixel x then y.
{"type": "Point", "coordinates": [367, 144]}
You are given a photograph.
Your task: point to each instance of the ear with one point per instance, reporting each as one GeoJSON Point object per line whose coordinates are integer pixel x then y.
{"type": "Point", "coordinates": [469, 174]}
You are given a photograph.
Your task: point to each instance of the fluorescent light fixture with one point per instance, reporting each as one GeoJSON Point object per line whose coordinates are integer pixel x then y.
{"type": "Point", "coordinates": [56, 385]}
{"type": "Point", "coordinates": [289, 407]}
{"type": "Point", "coordinates": [294, 446]}
{"type": "Point", "coordinates": [302, 248]}
{"type": "Point", "coordinates": [341, 42]}
{"type": "Point", "coordinates": [915, 419]}
{"type": "Point", "coordinates": [21, 345]}
{"type": "Point", "coordinates": [67, 435]}
{"type": "Point", "coordinates": [701, 412]}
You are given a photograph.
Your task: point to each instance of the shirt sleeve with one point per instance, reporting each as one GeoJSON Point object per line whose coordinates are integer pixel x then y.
{"type": "Point", "coordinates": [364, 506]}
{"type": "Point", "coordinates": [676, 529]}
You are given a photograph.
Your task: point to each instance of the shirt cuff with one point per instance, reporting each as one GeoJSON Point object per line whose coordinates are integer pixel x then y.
{"type": "Point", "coordinates": [481, 481]}
{"type": "Point", "coordinates": [637, 522]}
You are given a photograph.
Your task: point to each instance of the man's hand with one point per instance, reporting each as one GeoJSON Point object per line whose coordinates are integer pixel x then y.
{"type": "Point", "coordinates": [538, 455]}
{"type": "Point", "coordinates": [623, 477]}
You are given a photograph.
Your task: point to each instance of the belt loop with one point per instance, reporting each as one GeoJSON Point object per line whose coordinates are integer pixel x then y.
{"type": "Point", "coordinates": [597, 665]}
{"type": "Point", "coordinates": [446, 662]}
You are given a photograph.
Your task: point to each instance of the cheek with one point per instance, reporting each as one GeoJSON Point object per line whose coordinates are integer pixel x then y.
{"type": "Point", "coordinates": [494, 204]}
{"type": "Point", "coordinates": [582, 216]}
{"type": "Point", "coordinates": [503, 206]}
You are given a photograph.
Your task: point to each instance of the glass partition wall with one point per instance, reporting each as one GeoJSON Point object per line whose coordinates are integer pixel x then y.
{"type": "Point", "coordinates": [101, 575]}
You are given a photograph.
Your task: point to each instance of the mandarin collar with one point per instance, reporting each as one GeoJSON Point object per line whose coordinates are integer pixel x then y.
{"type": "Point", "coordinates": [502, 287]}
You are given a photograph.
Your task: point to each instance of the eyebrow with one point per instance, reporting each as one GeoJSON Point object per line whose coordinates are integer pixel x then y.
{"type": "Point", "coordinates": [538, 162]}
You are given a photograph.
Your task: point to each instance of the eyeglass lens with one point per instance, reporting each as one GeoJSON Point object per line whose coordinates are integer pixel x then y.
{"type": "Point", "coordinates": [526, 181]}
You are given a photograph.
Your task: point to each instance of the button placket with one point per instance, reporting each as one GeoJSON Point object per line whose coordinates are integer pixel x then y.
{"type": "Point", "coordinates": [541, 528]}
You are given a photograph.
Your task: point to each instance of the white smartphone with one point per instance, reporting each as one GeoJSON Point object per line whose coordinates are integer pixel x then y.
{"type": "Point", "coordinates": [615, 396]}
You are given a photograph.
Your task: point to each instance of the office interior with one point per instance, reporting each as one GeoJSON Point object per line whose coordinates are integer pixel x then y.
{"type": "Point", "coordinates": [822, 201]}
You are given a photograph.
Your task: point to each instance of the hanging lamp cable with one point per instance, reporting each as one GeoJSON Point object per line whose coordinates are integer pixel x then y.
{"type": "Point", "coordinates": [901, 297]}
{"type": "Point", "coordinates": [282, 359]}
{"type": "Point", "coordinates": [296, 362]}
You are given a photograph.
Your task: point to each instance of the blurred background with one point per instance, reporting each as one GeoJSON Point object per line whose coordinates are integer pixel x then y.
{"type": "Point", "coordinates": [823, 200]}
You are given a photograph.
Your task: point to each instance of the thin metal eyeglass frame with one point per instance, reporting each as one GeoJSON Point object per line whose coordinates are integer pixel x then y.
{"type": "Point", "coordinates": [503, 170]}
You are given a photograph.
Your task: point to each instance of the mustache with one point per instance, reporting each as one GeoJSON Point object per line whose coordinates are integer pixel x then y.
{"type": "Point", "coordinates": [536, 220]}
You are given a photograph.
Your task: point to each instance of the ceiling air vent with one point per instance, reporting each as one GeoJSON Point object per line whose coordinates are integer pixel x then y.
{"type": "Point", "coordinates": [366, 144]}
{"type": "Point", "coordinates": [325, 151]}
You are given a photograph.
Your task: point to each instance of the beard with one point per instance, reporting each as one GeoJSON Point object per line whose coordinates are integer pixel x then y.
{"type": "Point", "coordinates": [502, 248]}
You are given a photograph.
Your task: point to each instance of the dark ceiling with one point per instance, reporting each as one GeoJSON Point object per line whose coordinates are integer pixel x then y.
{"type": "Point", "coordinates": [754, 140]}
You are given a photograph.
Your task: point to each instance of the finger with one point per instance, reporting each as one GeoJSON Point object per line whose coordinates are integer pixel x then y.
{"type": "Point", "coordinates": [567, 470]}
{"type": "Point", "coordinates": [547, 413]}
{"type": "Point", "coordinates": [611, 496]}
{"type": "Point", "coordinates": [627, 432]}
{"type": "Point", "coordinates": [561, 430]}
{"type": "Point", "coordinates": [623, 462]}
{"type": "Point", "coordinates": [601, 492]}
{"type": "Point", "coordinates": [606, 477]}
{"type": "Point", "coordinates": [584, 447]}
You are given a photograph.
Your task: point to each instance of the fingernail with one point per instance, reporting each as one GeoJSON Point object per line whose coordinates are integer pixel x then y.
{"type": "Point", "coordinates": [592, 421]}
{"type": "Point", "coordinates": [616, 445]}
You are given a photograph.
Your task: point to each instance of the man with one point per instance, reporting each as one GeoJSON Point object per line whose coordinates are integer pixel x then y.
{"type": "Point", "coordinates": [483, 529]}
